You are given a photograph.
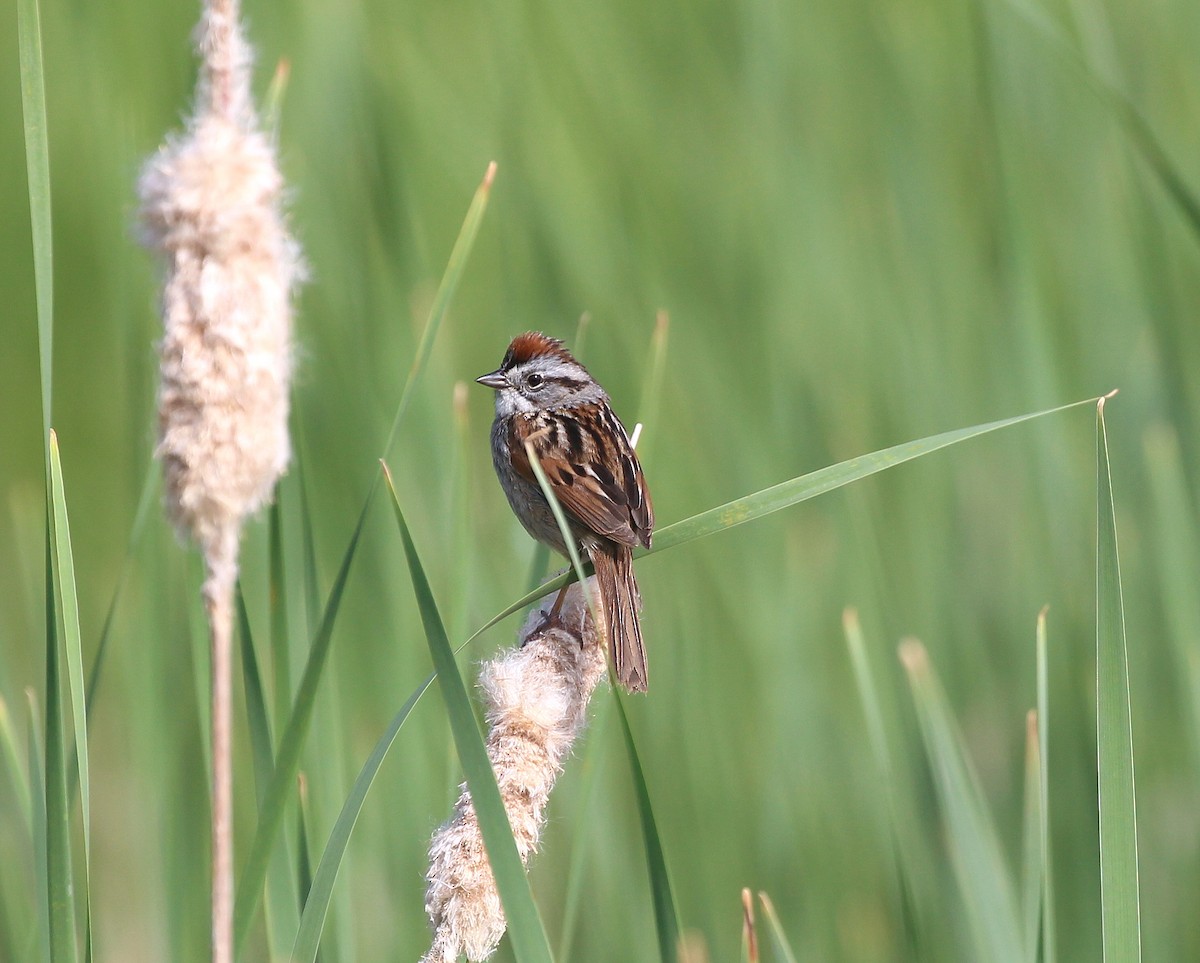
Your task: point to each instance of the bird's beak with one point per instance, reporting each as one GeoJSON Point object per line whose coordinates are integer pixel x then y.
{"type": "Point", "coordinates": [497, 380]}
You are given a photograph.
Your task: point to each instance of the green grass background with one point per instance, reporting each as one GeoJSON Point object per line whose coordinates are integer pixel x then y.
{"type": "Point", "coordinates": [869, 222]}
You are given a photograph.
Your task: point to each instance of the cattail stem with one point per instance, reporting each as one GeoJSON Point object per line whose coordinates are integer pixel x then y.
{"type": "Point", "coordinates": [221, 563]}
{"type": "Point", "coordinates": [211, 206]}
{"type": "Point", "coordinates": [223, 53]}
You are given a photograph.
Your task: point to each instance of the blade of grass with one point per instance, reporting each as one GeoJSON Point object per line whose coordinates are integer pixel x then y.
{"type": "Point", "coordinates": [316, 905]}
{"type": "Point", "coordinates": [145, 500]}
{"type": "Point", "coordinates": [37, 164]}
{"type": "Point", "coordinates": [1178, 563]}
{"type": "Point", "coordinates": [826, 479]}
{"type": "Point", "coordinates": [1031, 849]}
{"type": "Point", "coordinates": [788, 493]}
{"type": "Point", "coordinates": [17, 774]}
{"type": "Point", "coordinates": [256, 709]}
{"type": "Point", "coordinates": [666, 911]}
{"type": "Point", "coordinates": [1120, 909]}
{"type": "Point", "coordinates": [441, 300]}
{"type": "Point", "coordinates": [652, 385]}
{"type": "Point", "coordinates": [749, 930]}
{"type": "Point", "coordinates": [281, 905]}
{"type": "Point", "coordinates": [68, 607]}
{"type": "Point", "coordinates": [568, 536]}
{"type": "Point", "coordinates": [201, 660]}
{"type": "Point", "coordinates": [455, 265]}
{"type": "Point", "coordinates": [63, 948]}
{"type": "Point", "coordinates": [41, 831]}
{"type": "Point", "coordinates": [525, 928]}
{"type": "Point", "coordinates": [983, 878]}
{"type": "Point", "coordinates": [287, 763]}
{"type": "Point", "coordinates": [1049, 937]}
{"type": "Point", "coordinates": [1127, 113]}
{"type": "Point", "coordinates": [595, 756]}
{"type": "Point", "coordinates": [877, 734]}
{"type": "Point", "coordinates": [778, 937]}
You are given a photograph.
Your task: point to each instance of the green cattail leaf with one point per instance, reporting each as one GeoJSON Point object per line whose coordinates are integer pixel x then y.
{"type": "Point", "coordinates": [41, 831]}
{"type": "Point", "coordinates": [983, 879]}
{"type": "Point", "coordinates": [666, 911]}
{"type": "Point", "coordinates": [37, 164]}
{"type": "Point", "coordinates": [59, 882]}
{"type": "Point", "coordinates": [291, 744]}
{"type": "Point", "coordinates": [441, 301]}
{"type": "Point", "coordinates": [788, 493]}
{"type": "Point", "coordinates": [525, 929]}
{"type": "Point", "coordinates": [68, 607]}
{"type": "Point", "coordinates": [778, 936]}
{"type": "Point", "coordinates": [1031, 843]}
{"type": "Point", "coordinates": [1049, 939]}
{"type": "Point", "coordinates": [316, 905]}
{"type": "Point", "coordinates": [1120, 909]}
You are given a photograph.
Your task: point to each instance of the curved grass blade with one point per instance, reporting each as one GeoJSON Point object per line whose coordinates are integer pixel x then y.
{"type": "Point", "coordinates": [287, 763]}
{"type": "Point", "coordinates": [1032, 880]}
{"type": "Point", "coordinates": [256, 709]}
{"type": "Point", "coordinates": [778, 936]}
{"type": "Point", "coordinates": [595, 756]}
{"type": "Point", "coordinates": [145, 500]}
{"type": "Point", "coordinates": [41, 831]}
{"type": "Point", "coordinates": [37, 164]}
{"type": "Point", "coordinates": [441, 301]}
{"type": "Point", "coordinates": [666, 912]}
{"type": "Point", "coordinates": [525, 929]}
{"type": "Point", "coordinates": [68, 607]}
{"type": "Point", "coordinates": [877, 734]}
{"type": "Point", "coordinates": [17, 774]}
{"type": "Point", "coordinates": [978, 860]}
{"type": "Point", "coordinates": [788, 493]}
{"type": "Point", "coordinates": [63, 948]}
{"type": "Point", "coordinates": [1120, 907]}
{"type": "Point", "coordinates": [1128, 114]}
{"type": "Point", "coordinates": [1049, 937]}
{"type": "Point", "coordinates": [823, 480]}
{"type": "Point", "coordinates": [282, 913]}
{"type": "Point", "coordinates": [316, 906]}
{"type": "Point", "coordinates": [568, 536]}
{"type": "Point", "coordinates": [652, 385]}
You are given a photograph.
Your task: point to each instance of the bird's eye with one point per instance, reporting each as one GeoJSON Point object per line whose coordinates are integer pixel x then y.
{"type": "Point", "coordinates": [534, 381]}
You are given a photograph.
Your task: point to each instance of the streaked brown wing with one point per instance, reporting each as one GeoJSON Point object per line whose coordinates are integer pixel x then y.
{"type": "Point", "coordinates": [575, 454]}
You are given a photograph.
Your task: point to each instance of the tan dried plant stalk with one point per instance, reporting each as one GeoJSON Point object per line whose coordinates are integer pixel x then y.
{"type": "Point", "coordinates": [536, 698]}
{"type": "Point", "coordinates": [211, 205]}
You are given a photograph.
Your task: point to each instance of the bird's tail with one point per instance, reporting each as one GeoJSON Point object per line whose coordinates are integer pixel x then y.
{"type": "Point", "coordinates": [621, 601]}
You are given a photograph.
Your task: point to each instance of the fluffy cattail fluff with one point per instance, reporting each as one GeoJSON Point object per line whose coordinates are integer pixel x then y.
{"type": "Point", "coordinates": [536, 699]}
{"type": "Point", "coordinates": [211, 205]}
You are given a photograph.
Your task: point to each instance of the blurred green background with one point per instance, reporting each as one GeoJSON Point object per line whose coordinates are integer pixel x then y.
{"type": "Point", "coordinates": [868, 221]}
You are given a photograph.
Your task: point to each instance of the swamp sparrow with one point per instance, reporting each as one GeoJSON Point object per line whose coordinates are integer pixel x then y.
{"type": "Point", "coordinates": [545, 396]}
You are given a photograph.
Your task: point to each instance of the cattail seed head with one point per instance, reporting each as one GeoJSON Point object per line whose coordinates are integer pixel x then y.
{"type": "Point", "coordinates": [211, 205]}
{"type": "Point", "coordinates": [536, 700]}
